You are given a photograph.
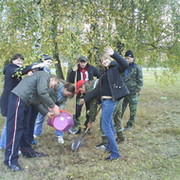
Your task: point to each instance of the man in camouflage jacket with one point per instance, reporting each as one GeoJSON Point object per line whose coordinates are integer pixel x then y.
{"type": "Point", "coordinates": [133, 79]}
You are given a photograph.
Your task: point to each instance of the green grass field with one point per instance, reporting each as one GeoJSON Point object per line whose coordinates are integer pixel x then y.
{"type": "Point", "coordinates": [150, 151]}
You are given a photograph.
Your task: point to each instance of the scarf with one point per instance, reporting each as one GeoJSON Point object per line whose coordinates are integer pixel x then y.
{"type": "Point", "coordinates": [83, 71]}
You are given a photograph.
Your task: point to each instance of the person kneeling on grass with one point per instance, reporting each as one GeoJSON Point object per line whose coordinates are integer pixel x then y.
{"type": "Point", "coordinates": [32, 90]}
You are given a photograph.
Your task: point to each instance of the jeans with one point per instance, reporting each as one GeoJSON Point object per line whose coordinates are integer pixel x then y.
{"type": "Point", "coordinates": [39, 126]}
{"type": "Point", "coordinates": [3, 136]}
{"type": "Point", "coordinates": [107, 126]}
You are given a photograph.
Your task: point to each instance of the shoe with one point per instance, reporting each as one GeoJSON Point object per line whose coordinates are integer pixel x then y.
{"type": "Point", "coordinates": [35, 136]}
{"type": "Point", "coordinates": [32, 154]}
{"type": "Point", "coordinates": [15, 167]}
{"type": "Point", "coordinates": [60, 139]}
{"type": "Point", "coordinates": [101, 145]}
{"type": "Point", "coordinates": [120, 139]}
{"type": "Point", "coordinates": [34, 142]}
{"type": "Point", "coordinates": [19, 152]}
{"type": "Point", "coordinates": [110, 159]}
{"type": "Point", "coordinates": [37, 154]}
{"type": "Point", "coordinates": [74, 130]}
{"type": "Point", "coordinates": [107, 151]}
{"type": "Point", "coordinates": [127, 128]}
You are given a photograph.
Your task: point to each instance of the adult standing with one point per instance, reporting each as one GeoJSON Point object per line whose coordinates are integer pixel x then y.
{"type": "Point", "coordinates": [133, 79]}
{"type": "Point", "coordinates": [31, 90]}
{"type": "Point", "coordinates": [110, 89]}
{"type": "Point", "coordinates": [12, 76]}
{"type": "Point", "coordinates": [81, 71]}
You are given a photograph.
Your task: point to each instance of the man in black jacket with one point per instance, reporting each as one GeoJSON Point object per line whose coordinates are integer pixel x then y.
{"type": "Point", "coordinates": [81, 71]}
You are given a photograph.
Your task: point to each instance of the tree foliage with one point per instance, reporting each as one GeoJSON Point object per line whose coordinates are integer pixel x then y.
{"type": "Point", "coordinates": [67, 29]}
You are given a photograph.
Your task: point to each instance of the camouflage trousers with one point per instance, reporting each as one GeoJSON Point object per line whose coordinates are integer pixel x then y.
{"type": "Point", "coordinates": [117, 123]}
{"type": "Point", "coordinates": [132, 101]}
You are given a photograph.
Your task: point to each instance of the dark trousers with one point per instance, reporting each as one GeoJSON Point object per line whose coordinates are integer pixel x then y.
{"type": "Point", "coordinates": [33, 115]}
{"type": "Point", "coordinates": [17, 129]}
{"type": "Point", "coordinates": [78, 114]}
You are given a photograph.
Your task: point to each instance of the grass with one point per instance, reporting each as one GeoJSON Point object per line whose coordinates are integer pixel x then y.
{"type": "Point", "coordinates": [150, 151]}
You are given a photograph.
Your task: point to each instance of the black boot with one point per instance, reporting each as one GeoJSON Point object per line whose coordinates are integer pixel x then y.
{"type": "Point", "coordinates": [120, 137]}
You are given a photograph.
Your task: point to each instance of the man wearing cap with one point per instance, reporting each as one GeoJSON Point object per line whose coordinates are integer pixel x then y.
{"type": "Point", "coordinates": [46, 62]}
{"type": "Point", "coordinates": [81, 71]}
{"type": "Point", "coordinates": [133, 79]}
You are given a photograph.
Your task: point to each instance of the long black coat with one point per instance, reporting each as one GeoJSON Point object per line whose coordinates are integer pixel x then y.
{"type": "Point", "coordinates": [116, 83]}
{"type": "Point", "coordinates": [10, 83]}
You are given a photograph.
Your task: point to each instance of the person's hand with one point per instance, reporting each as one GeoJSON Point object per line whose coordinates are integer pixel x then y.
{"type": "Point", "coordinates": [81, 102]}
{"type": "Point", "coordinates": [50, 115]}
{"type": "Point", "coordinates": [55, 110]}
{"type": "Point", "coordinates": [108, 50]}
{"type": "Point", "coordinates": [75, 68]}
{"type": "Point", "coordinates": [30, 73]}
{"type": "Point", "coordinates": [89, 125]}
{"type": "Point", "coordinates": [40, 65]}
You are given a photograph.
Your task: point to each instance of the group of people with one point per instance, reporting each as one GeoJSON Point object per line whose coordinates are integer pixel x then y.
{"type": "Point", "coordinates": [25, 102]}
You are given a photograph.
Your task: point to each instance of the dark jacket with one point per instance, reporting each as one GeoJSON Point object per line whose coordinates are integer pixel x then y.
{"type": "Point", "coordinates": [11, 80]}
{"type": "Point", "coordinates": [34, 89]}
{"type": "Point", "coordinates": [117, 86]}
{"type": "Point", "coordinates": [92, 72]}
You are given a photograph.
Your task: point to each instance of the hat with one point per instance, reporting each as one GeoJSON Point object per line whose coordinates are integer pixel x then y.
{"type": "Point", "coordinates": [45, 57]}
{"type": "Point", "coordinates": [129, 53]}
{"type": "Point", "coordinates": [82, 58]}
{"type": "Point", "coordinates": [78, 85]}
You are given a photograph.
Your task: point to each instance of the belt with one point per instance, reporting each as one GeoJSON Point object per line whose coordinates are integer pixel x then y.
{"type": "Point", "coordinates": [105, 98]}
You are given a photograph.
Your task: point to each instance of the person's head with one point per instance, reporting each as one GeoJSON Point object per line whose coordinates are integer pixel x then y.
{"type": "Point", "coordinates": [106, 60]}
{"type": "Point", "coordinates": [80, 87]}
{"type": "Point", "coordinates": [82, 61]}
{"type": "Point", "coordinates": [17, 59]}
{"type": "Point", "coordinates": [53, 81]}
{"type": "Point", "coordinates": [46, 59]}
{"type": "Point", "coordinates": [69, 90]}
{"type": "Point", "coordinates": [129, 56]}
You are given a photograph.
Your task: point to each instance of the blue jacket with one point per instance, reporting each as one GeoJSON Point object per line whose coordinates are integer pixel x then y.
{"type": "Point", "coordinates": [116, 83]}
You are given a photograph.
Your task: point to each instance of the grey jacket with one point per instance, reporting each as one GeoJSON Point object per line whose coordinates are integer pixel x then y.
{"type": "Point", "coordinates": [34, 89]}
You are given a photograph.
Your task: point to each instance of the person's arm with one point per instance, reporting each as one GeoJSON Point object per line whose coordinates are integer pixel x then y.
{"type": "Point", "coordinates": [73, 74]}
{"type": "Point", "coordinates": [91, 95]}
{"type": "Point", "coordinates": [42, 89]}
{"type": "Point", "coordinates": [123, 64]}
{"type": "Point", "coordinates": [20, 71]}
{"type": "Point", "coordinates": [139, 79]}
{"type": "Point", "coordinates": [40, 108]}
